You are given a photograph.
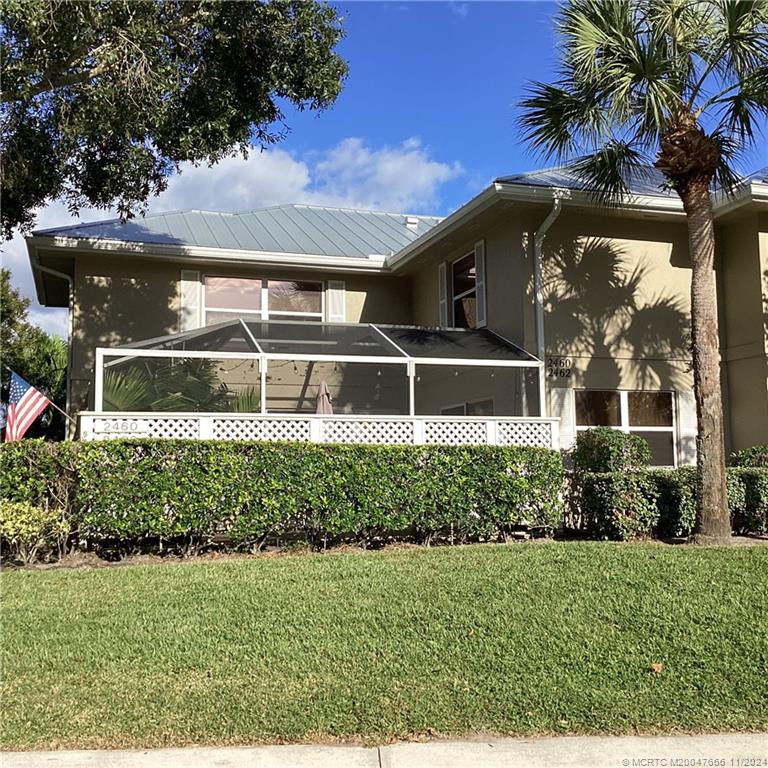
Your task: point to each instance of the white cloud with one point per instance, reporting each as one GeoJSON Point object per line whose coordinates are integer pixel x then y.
{"type": "Point", "coordinates": [403, 178]}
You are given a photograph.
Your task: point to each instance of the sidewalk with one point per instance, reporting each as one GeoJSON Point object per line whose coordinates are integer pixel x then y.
{"type": "Point", "coordinates": [726, 750]}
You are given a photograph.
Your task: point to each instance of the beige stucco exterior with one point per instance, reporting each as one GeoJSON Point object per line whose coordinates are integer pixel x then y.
{"type": "Point", "coordinates": [616, 306]}
{"type": "Point", "coordinates": [123, 299]}
{"type": "Point", "coordinates": [743, 306]}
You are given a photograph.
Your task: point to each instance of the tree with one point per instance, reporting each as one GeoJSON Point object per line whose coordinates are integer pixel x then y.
{"type": "Point", "coordinates": [683, 85]}
{"type": "Point", "coordinates": [38, 357]}
{"type": "Point", "coordinates": [102, 101]}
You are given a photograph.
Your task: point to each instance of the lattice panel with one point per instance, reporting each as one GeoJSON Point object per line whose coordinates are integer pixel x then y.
{"type": "Point", "coordinates": [178, 428]}
{"type": "Point", "coordinates": [522, 433]}
{"type": "Point", "coordinates": [236, 429]}
{"type": "Point", "coordinates": [455, 432]}
{"type": "Point", "coordinates": [286, 429]}
{"type": "Point", "coordinates": [261, 429]}
{"type": "Point", "coordinates": [368, 431]}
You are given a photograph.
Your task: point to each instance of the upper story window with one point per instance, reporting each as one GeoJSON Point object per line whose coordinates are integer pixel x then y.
{"type": "Point", "coordinates": [464, 292]}
{"type": "Point", "coordinates": [228, 298]}
{"type": "Point", "coordinates": [648, 414]}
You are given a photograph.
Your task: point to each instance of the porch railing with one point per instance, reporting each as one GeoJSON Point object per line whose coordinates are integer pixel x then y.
{"type": "Point", "coordinates": [381, 430]}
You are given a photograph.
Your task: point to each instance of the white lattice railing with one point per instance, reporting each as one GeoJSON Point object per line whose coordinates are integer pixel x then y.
{"type": "Point", "coordinates": [392, 430]}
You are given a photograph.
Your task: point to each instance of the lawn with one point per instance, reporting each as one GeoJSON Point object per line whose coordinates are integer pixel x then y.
{"type": "Point", "coordinates": [519, 639]}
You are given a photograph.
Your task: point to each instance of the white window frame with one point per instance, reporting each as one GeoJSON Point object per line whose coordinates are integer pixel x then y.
{"type": "Point", "coordinates": [455, 297]}
{"type": "Point", "coordinates": [624, 425]}
{"type": "Point", "coordinates": [264, 313]}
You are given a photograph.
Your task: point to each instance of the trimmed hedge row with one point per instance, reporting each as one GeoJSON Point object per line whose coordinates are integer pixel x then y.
{"type": "Point", "coordinates": [124, 494]}
{"type": "Point", "coordinates": [662, 502]}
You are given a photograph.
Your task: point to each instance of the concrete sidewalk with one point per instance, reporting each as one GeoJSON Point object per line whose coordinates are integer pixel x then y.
{"type": "Point", "coordinates": [726, 750]}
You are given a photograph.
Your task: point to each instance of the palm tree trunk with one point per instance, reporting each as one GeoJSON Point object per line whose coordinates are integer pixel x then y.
{"type": "Point", "coordinates": [713, 524]}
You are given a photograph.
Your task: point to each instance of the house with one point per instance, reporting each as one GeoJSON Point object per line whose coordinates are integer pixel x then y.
{"type": "Point", "coordinates": [526, 315]}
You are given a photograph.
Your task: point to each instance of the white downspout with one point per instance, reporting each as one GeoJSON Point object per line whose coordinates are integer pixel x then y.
{"type": "Point", "coordinates": [70, 321]}
{"type": "Point", "coordinates": [538, 241]}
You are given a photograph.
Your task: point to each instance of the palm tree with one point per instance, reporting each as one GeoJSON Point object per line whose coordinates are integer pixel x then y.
{"type": "Point", "coordinates": [682, 84]}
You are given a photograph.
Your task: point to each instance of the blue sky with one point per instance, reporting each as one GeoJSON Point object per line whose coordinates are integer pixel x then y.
{"type": "Point", "coordinates": [449, 73]}
{"type": "Point", "coordinates": [426, 120]}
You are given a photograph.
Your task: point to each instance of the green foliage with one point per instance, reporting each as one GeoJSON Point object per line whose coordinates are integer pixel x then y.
{"type": "Point", "coordinates": [747, 493]}
{"type": "Point", "coordinates": [102, 102]}
{"type": "Point", "coordinates": [139, 493]}
{"type": "Point", "coordinates": [617, 505]}
{"type": "Point", "coordinates": [603, 449]}
{"type": "Point", "coordinates": [39, 473]}
{"type": "Point", "coordinates": [166, 385]}
{"type": "Point", "coordinates": [680, 85]}
{"type": "Point", "coordinates": [27, 531]}
{"type": "Point", "coordinates": [756, 456]}
{"type": "Point", "coordinates": [753, 516]}
{"type": "Point", "coordinates": [39, 358]}
{"type": "Point", "coordinates": [676, 499]}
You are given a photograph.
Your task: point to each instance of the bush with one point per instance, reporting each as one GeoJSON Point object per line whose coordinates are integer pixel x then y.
{"type": "Point", "coordinates": [38, 472]}
{"type": "Point", "coordinates": [154, 493]}
{"type": "Point", "coordinates": [747, 491]}
{"type": "Point", "coordinates": [676, 501]}
{"type": "Point", "coordinates": [27, 531]}
{"type": "Point", "coordinates": [753, 516]}
{"type": "Point", "coordinates": [617, 505]}
{"type": "Point", "coordinates": [756, 457]}
{"type": "Point", "coordinates": [603, 449]}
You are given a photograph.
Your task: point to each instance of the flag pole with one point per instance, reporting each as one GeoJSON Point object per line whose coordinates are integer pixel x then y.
{"type": "Point", "coordinates": [50, 402]}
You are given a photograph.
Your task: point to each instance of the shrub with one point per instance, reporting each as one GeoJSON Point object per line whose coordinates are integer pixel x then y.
{"type": "Point", "coordinates": [676, 501]}
{"type": "Point", "coordinates": [618, 505]}
{"type": "Point", "coordinates": [756, 457]}
{"type": "Point", "coordinates": [747, 491]}
{"type": "Point", "coordinates": [27, 531]}
{"type": "Point", "coordinates": [603, 449]}
{"type": "Point", "coordinates": [155, 493]}
{"type": "Point", "coordinates": [753, 516]}
{"type": "Point", "coordinates": [38, 472]}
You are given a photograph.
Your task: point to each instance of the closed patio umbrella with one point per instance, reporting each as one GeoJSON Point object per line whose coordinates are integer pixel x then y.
{"type": "Point", "coordinates": [324, 400]}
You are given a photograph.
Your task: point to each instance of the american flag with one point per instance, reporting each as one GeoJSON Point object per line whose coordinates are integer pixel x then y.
{"type": "Point", "coordinates": [25, 404]}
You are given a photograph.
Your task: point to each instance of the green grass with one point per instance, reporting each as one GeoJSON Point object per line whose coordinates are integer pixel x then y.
{"type": "Point", "coordinates": [520, 639]}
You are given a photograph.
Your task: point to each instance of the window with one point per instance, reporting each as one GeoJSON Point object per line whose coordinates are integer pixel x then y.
{"type": "Point", "coordinates": [476, 408]}
{"type": "Point", "coordinates": [229, 298]}
{"type": "Point", "coordinates": [464, 292]}
{"type": "Point", "coordinates": [648, 414]}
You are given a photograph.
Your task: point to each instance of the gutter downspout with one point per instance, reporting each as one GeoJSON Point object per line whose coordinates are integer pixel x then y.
{"type": "Point", "coordinates": [538, 241]}
{"type": "Point", "coordinates": [36, 265]}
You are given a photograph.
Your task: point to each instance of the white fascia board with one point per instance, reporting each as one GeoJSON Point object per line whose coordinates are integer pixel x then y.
{"type": "Point", "coordinates": [749, 193]}
{"type": "Point", "coordinates": [183, 253]}
{"type": "Point", "coordinates": [526, 194]}
{"type": "Point", "coordinates": [477, 204]}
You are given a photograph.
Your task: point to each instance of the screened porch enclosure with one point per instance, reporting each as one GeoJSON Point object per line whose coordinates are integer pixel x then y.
{"type": "Point", "coordinates": [261, 379]}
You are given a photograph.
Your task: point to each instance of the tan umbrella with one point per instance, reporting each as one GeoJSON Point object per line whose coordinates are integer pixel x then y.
{"type": "Point", "coordinates": [324, 400]}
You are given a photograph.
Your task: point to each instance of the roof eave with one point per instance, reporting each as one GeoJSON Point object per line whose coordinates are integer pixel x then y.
{"type": "Point", "coordinates": [374, 262]}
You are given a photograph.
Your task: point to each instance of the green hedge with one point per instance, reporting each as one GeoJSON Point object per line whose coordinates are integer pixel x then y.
{"type": "Point", "coordinates": [756, 457]}
{"type": "Point", "coordinates": [617, 505]}
{"type": "Point", "coordinates": [154, 492]}
{"type": "Point", "coordinates": [662, 502]}
{"type": "Point", "coordinates": [603, 449]}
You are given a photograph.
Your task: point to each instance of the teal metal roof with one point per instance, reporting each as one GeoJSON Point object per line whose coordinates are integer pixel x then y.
{"type": "Point", "coordinates": [296, 229]}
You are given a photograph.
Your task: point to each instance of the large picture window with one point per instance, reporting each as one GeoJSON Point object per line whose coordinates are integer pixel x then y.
{"type": "Point", "coordinates": [229, 298]}
{"type": "Point", "coordinates": [464, 292]}
{"type": "Point", "coordinates": [648, 414]}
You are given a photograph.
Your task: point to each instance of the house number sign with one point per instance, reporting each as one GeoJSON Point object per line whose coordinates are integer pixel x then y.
{"type": "Point", "coordinates": [559, 367]}
{"type": "Point", "coordinates": [119, 426]}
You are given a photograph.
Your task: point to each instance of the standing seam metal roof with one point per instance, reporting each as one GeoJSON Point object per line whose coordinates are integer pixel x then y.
{"type": "Point", "coordinates": [301, 229]}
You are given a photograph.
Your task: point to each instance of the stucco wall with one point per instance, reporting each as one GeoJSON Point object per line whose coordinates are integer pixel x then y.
{"type": "Point", "coordinates": [118, 300]}
{"type": "Point", "coordinates": [743, 299]}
